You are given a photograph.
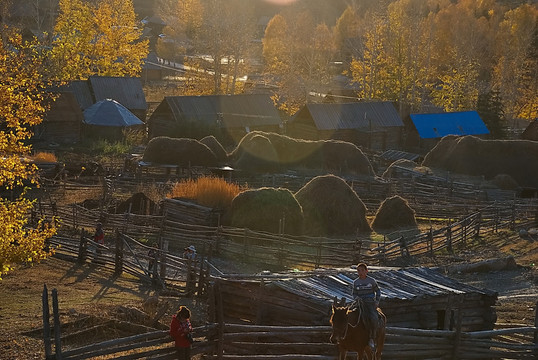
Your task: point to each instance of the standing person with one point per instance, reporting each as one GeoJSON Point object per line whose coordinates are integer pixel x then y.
{"type": "Point", "coordinates": [152, 252]}
{"type": "Point", "coordinates": [99, 237]}
{"type": "Point", "coordinates": [189, 253]}
{"type": "Point", "coordinates": [181, 331]}
{"type": "Point", "coordinates": [366, 288]}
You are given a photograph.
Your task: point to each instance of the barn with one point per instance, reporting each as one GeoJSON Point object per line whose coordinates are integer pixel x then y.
{"type": "Point", "coordinates": [227, 117]}
{"type": "Point", "coordinates": [428, 129]}
{"type": "Point", "coordinates": [419, 298]}
{"type": "Point", "coordinates": [62, 122]}
{"type": "Point", "coordinates": [374, 125]}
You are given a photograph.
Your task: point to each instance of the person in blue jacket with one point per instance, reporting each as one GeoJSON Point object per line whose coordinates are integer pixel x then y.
{"type": "Point", "coordinates": [366, 288]}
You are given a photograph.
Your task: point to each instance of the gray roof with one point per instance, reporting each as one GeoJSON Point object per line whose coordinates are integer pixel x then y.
{"type": "Point", "coordinates": [81, 90]}
{"type": "Point", "coordinates": [109, 112]}
{"type": "Point", "coordinates": [402, 284]}
{"type": "Point", "coordinates": [233, 110]}
{"type": "Point", "coordinates": [127, 91]}
{"type": "Point", "coordinates": [355, 115]}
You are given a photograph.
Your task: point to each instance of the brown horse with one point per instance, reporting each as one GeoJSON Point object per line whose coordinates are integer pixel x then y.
{"type": "Point", "coordinates": [351, 333]}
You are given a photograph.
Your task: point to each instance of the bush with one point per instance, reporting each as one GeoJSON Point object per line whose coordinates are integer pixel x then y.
{"type": "Point", "coordinates": [212, 192]}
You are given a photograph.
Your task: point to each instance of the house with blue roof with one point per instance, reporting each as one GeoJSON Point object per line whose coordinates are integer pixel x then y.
{"type": "Point", "coordinates": [430, 128]}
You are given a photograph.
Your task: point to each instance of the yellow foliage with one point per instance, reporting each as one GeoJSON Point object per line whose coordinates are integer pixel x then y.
{"type": "Point", "coordinates": [207, 191]}
{"type": "Point", "coordinates": [22, 99]}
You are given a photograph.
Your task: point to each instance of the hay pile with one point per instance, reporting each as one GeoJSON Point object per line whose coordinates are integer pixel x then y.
{"type": "Point", "coordinates": [262, 209]}
{"type": "Point", "coordinates": [472, 156]}
{"type": "Point", "coordinates": [179, 151]}
{"type": "Point", "coordinates": [331, 207]}
{"type": "Point", "coordinates": [393, 213]}
{"type": "Point", "coordinates": [216, 147]}
{"type": "Point", "coordinates": [258, 155]}
{"type": "Point", "coordinates": [296, 154]}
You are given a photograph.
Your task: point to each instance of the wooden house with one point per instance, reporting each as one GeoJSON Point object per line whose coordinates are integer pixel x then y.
{"type": "Point", "coordinates": [531, 132]}
{"type": "Point", "coordinates": [62, 122]}
{"type": "Point", "coordinates": [428, 129]}
{"type": "Point", "coordinates": [127, 91]}
{"type": "Point", "coordinates": [419, 298]}
{"type": "Point", "coordinates": [374, 125]}
{"type": "Point", "coordinates": [227, 117]}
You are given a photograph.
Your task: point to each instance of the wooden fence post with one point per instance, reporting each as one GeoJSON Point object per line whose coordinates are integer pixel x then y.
{"type": "Point", "coordinates": [457, 335]}
{"type": "Point", "coordinates": [430, 241]}
{"type": "Point", "coordinates": [449, 239]}
{"type": "Point", "coordinates": [536, 326]}
{"type": "Point", "coordinates": [57, 333]}
{"type": "Point", "coordinates": [220, 321]}
{"type": "Point", "coordinates": [46, 323]}
{"type": "Point", "coordinates": [478, 224]}
{"type": "Point", "coordinates": [82, 247]}
{"type": "Point", "coordinates": [118, 260]}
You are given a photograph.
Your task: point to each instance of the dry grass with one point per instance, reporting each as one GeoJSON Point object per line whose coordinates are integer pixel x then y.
{"type": "Point", "coordinates": [212, 192]}
{"type": "Point", "coordinates": [42, 157]}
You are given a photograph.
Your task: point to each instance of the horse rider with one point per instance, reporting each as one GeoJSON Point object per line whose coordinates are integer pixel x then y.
{"type": "Point", "coordinates": [366, 288]}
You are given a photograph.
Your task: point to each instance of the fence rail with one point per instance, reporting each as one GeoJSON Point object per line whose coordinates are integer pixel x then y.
{"type": "Point", "coordinates": [254, 342]}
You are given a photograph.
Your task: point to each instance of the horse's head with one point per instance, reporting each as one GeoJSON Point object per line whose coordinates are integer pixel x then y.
{"type": "Point", "coordinates": [338, 321]}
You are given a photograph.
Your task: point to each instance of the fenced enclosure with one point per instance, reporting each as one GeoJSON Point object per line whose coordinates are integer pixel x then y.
{"type": "Point", "coordinates": [253, 342]}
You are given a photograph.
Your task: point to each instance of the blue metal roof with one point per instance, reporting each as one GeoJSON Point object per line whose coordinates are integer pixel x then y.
{"type": "Point", "coordinates": [431, 126]}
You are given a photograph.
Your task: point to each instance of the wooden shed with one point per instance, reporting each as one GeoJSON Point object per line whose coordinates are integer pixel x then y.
{"type": "Point", "coordinates": [374, 125]}
{"type": "Point", "coordinates": [419, 298]}
{"type": "Point", "coordinates": [62, 122]}
{"type": "Point", "coordinates": [227, 117]}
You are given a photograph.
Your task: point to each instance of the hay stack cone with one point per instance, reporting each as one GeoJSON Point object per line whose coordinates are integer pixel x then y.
{"type": "Point", "coordinates": [257, 154]}
{"type": "Point", "coordinates": [216, 147]}
{"type": "Point", "coordinates": [394, 213]}
{"type": "Point", "coordinates": [179, 151]}
{"type": "Point", "coordinates": [331, 207]}
{"type": "Point", "coordinates": [267, 209]}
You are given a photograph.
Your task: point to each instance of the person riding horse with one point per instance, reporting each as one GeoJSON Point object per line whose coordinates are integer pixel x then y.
{"type": "Point", "coordinates": [366, 288]}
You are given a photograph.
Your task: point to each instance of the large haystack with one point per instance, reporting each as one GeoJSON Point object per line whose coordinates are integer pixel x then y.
{"type": "Point", "coordinates": [266, 209]}
{"type": "Point", "coordinates": [331, 207]}
{"type": "Point", "coordinates": [214, 145]}
{"type": "Point", "coordinates": [472, 156]}
{"type": "Point", "coordinates": [258, 154]}
{"type": "Point", "coordinates": [179, 151]}
{"type": "Point", "coordinates": [322, 154]}
{"type": "Point", "coordinates": [394, 213]}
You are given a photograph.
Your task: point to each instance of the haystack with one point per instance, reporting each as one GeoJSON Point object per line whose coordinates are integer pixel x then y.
{"type": "Point", "coordinates": [267, 209]}
{"type": "Point", "coordinates": [472, 156]}
{"type": "Point", "coordinates": [331, 207]}
{"type": "Point", "coordinates": [321, 154]}
{"type": "Point", "coordinates": [214, 145]}
{"type": "Point", "coordinates": [179, 151]}
{"type": "Point", "coordinates": [394, 213]}
{"type": "Point", "coordinates": [505, 182]}
{"type": "Point", "coordinates": [258, 154]}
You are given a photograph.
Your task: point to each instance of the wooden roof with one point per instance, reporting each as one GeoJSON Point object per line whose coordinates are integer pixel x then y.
{"type": "Point", "coordinates": [242, 110]}
{"type": "Point", "coordinates": [351, 115]}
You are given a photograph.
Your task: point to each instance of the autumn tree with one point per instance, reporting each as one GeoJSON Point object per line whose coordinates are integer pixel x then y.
{"type": "Point", "coordinates": [102, 39]}
{"type": "Point", "coordinates": [22, 99]}
{"type": "Point", "coordinates": [516, 71]}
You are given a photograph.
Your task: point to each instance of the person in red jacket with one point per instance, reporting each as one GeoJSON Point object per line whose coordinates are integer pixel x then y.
{"type": "Point", "coordinates": [180, 330]}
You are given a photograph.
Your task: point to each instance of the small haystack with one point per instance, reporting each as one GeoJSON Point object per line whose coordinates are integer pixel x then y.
{"type": "Point", "coordinates": [505, 182]}
{"type": "Point", "coordinates": [258, 154]}
{"type": "Point", "coordinates": [472, 156]}
{"type": "Point", "coordinates": [267, 209]}
{"type": "Point", "coordinates": [394, 213]}
{"type": "Point", "coordinates": [139, 203]}
{"type": "Point", "coordinates": [321, 154]}
{"type": "Point", "coordinates": [179, 151]}
{"type": "Point", "coordinates": [214, 145]}
{"type": "Point", "coordinates": [331, 207]}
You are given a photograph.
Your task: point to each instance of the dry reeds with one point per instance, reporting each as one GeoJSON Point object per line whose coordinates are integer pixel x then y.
{"type": "Point", "coordinates": [212, 192]}
{"type": "Point", "coordinates": [43, 157]}
{"type": "Point", "coordinates": [331, 207]}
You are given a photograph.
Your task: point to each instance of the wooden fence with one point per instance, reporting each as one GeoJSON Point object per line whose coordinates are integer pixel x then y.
{"type": "Point", "coordinates": [254, 342]}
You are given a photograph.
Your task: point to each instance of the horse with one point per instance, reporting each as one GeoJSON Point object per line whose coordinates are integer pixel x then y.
{"type": "Point", "coordinates": [350, 333]}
